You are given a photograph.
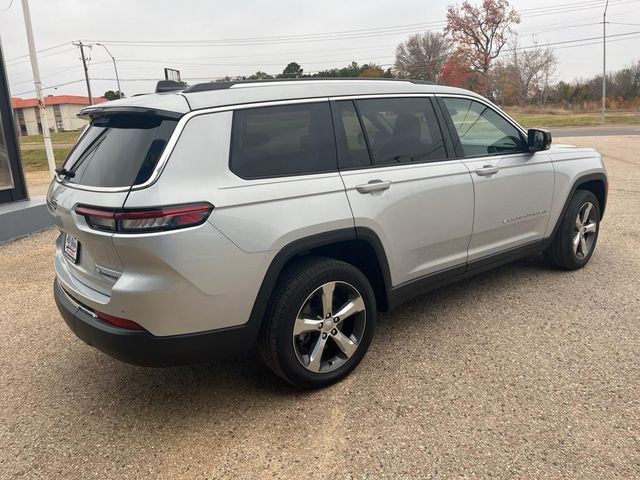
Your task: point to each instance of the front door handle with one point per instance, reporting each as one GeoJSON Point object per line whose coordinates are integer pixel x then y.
{"type": "Point", "coordinates": [487, 170]}
{"type": "Point", "coordinates": [373, 186]}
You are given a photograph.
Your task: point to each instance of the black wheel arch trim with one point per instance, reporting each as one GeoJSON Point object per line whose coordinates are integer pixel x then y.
{"type": "Point", "coordinates": [598, 176]}
{"type": "Point", "coordinates": [299, 247]}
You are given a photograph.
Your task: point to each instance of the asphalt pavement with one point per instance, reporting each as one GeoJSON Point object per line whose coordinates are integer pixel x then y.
{"type": "Point", "coordinates": [595, 131]}
{"type": "Point", "coordinates": [522, 372]}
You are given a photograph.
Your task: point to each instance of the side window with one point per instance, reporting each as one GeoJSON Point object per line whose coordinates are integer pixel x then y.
{"type": "Point", "coordinates": [482, 131]}
{"type": "Point", "coordinates": [283, 140]}
{"type": "Point", "coordinates": [352, 146]}
{"type": "Point", "coordinates": [402, 130]}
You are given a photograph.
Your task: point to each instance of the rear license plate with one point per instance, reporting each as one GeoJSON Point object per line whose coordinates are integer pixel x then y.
{"type": "Point", "coordinates": [71, 247]}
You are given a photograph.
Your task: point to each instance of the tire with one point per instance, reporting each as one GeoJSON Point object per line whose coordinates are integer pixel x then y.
{"type": "Point", "coordinates": [563, 252]}
{"type": "Point", "coordinates": [342, 342]}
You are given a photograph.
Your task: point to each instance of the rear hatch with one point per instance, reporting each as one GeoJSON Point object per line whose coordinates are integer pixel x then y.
{"type": "Point", "coordinates": [118, 151]}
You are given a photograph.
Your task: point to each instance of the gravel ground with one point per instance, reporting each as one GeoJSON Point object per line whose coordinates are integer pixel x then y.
{"type": "Point", "coordinates": [522, 372]}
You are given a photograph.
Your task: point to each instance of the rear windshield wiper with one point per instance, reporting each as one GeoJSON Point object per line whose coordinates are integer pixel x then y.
{"type": "Point", "coordinates": [65, 173]}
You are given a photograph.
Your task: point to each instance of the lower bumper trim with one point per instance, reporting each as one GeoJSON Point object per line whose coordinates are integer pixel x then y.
{"type": "Point", "coordinates": [142, 348]}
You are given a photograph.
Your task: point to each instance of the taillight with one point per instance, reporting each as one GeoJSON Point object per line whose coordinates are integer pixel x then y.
{"type": "Point", "coordinates": [119, 322]}
{"type": "Point", "coordinates": [146, 219]}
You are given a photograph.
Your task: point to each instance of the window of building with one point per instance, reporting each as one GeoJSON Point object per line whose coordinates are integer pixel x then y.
{"type": "Point", "coordinates": [22, 125]}
{"type": "Point", "coordinates": [482, 131]}
{"type": "Point", "coordinates": [402, 130]}
{"type": "Point", "coordinates": [38, 119]}
{"type": "Point", "coordinates": [283, 140]}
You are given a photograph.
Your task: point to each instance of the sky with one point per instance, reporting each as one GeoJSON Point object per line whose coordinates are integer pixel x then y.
{"type": "Point", "coordinates": [207, 39]}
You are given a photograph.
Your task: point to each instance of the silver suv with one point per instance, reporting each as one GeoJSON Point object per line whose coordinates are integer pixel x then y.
{"type": "Point", "coordinates": [210, 219]}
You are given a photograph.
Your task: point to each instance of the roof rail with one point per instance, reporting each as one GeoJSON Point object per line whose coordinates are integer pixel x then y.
{"type": "Point", "coordinates": [208, 86]}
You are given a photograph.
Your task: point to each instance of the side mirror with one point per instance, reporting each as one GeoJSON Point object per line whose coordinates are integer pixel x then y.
{"type": "Point", "coordinates": [538, 139]}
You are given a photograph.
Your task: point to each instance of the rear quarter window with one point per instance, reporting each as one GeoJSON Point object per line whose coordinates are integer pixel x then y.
{"type": "Point", "coordinates": [119, 150]}
{"type": "Point", "coordinates": [283, 140]}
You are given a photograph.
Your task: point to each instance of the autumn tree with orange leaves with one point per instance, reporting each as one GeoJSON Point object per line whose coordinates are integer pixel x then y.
{"type": "Point", "coordinates": [481, 32]}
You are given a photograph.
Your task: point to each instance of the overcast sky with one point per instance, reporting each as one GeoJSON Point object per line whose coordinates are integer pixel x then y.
{"type": "Point", "coordinates": [240, 37]}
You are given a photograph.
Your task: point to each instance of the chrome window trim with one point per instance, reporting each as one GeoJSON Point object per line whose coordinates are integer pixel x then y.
{"type": "Point", "coordinates": [175, 136]}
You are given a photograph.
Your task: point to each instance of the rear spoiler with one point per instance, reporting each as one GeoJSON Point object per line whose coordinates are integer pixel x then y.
{"type": "Point", "coordinates": [95, 111]}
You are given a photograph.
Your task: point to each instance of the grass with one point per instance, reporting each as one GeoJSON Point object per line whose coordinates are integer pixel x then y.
{"type": "Point", "coordinates": [549, 118]}
{"type": "Point", "coordinates": [33, 160]}
{"type": "Point", "coordinates": [56, 137]}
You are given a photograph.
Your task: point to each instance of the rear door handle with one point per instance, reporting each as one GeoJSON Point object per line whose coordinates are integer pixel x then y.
{"type": "Point", "coordinates": [487, 170]}
{"type": "Point", "coordinates": [373, 186]}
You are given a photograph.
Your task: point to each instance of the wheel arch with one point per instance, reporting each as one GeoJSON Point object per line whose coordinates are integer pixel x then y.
{"type": "Point", "coordinates": [358, 246]}
{"type": "Point", "coordinates": [595, 183]}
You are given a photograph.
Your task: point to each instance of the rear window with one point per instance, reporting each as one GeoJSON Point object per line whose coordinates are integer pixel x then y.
{"type": "Point", "coordinates": [119, 150]}
{"type": "Point", "coordinates": [283, 140]}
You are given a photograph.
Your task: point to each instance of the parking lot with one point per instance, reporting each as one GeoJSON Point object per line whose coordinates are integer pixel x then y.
{"type": "Point", "coordinates": [523, 372]}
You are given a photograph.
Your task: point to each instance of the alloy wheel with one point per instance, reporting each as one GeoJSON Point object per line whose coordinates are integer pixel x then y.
{"type": "Point", "coordinates": [584, 233]}
{"type": "Point", "coordinates": [329, 327]}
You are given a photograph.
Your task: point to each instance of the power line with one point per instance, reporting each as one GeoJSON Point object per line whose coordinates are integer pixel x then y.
{"type": "Point", "coordinates": [15, 64]}
{"type": "Point", "coordinates": [50, 87]}
{"type": "Point", "coordinates": [628, 24]}
{"type": "Point", "coordinates": [343, 34]}
{"type": "Point", "coordinates": [39, 51]}
{"type": "Point", "coordinates": [528, 47]}
{"type": "Point", "coordinates": [155, 79]}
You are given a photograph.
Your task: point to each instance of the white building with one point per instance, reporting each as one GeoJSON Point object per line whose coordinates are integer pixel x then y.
{"type": "Point", "coordinates": [62, 111]}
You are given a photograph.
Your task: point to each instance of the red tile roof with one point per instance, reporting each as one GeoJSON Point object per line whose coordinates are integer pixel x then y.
{"type": "Point", "coordinates": [54, 100]}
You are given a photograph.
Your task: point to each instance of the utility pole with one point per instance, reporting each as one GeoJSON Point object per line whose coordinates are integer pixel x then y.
{"type": "Point", "coordinates": [38, 85]}
{"type": "Point", "coordinates": [86, 70]}
{"type": "Point", "coordinates": [604, 62]}
{"type": "Point", "coordinates": [115, 67]}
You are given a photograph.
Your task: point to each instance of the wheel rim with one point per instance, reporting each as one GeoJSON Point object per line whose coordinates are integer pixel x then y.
{"type": "Point", "coordinates": [329, 327]}
{"type": "Point", "coordinates": [584, 232]}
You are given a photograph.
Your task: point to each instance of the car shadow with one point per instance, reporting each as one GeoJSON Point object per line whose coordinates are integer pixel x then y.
{"type": "Point", "coordinates": [137, 391]}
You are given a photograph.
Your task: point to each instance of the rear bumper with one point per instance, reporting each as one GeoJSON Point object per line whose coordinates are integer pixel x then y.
{"type": "Point", "coordinates": [143, 348]}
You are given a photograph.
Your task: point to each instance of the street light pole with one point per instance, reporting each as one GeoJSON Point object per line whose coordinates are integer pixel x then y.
{"type": "Point", "coordinates": [38, 84]}
{"type": "Point", "coordinates": [115, 67]}
{"type": "Point", "coordinates": [604, 62]}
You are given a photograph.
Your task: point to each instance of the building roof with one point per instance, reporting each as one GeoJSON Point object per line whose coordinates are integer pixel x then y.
{"type": "Point", "coordinates": [17, 102]}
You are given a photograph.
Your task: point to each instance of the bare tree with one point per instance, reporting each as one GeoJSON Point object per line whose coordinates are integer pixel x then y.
{"type": "Point", "coordinates": [422, 56]}
{"type": "Point", "coordinates": [534, 68]}
{"type": "Point", "coordinates": [481, 32]}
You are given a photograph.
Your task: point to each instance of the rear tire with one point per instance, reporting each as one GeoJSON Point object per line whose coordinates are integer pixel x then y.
{"type": "Point", "coordinates": [319, 323]}
{"type": "Point", "coordinates": [575, 240]}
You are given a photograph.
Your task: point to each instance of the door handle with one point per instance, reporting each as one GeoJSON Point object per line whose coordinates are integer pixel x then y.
{"type": "Point", "coordinates": [373, 186]}
{"type": "Point", "coordinates": [487, 170]}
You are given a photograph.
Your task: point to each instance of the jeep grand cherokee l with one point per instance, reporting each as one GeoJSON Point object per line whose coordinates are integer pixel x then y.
{"type": "Point", "coordinates": [210, 219]}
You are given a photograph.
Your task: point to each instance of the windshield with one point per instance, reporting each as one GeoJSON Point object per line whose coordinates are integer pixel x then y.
{"type": "Point", "coordinates": [118, 150]}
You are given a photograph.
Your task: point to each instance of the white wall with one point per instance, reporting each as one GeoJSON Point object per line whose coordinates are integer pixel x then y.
{"type": "Point", "coordinates": [68, 112]}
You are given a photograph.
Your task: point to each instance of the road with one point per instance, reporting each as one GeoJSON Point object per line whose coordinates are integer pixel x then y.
{"type": "Point", "coordinates": [594, 131]}
{"type": "Point", "coordinates": [523, 372]}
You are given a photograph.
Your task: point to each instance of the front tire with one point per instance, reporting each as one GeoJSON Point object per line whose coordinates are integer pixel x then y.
{"type": "Point", "coordinates": [319, 324]}
{"type": "Point", "coordinates": [575, 240]}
